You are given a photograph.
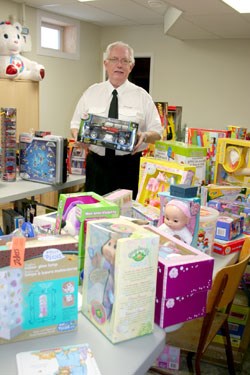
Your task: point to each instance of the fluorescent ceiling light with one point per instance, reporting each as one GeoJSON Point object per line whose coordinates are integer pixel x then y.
{"type": "Point", "coordinates": [242, 6]}
{"type": "Point", "coordinates": [85, 1]}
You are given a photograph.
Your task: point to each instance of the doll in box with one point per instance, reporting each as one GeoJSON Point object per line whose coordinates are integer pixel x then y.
{"type": "Point", "coordinates": [108, 252]}
{"type": "Point", "coordinates": [176, 220]}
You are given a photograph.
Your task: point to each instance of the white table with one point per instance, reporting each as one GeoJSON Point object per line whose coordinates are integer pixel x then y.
{"type": "Point", "coordinates": [13, 191]}
{"type": "Point", "coordinates": [133, 357]}
{"type": "Point", "coordinates": [221, 261]}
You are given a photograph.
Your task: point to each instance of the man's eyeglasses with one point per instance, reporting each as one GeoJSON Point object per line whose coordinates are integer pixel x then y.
{"type": "Point", "coordinates": [115, 60]}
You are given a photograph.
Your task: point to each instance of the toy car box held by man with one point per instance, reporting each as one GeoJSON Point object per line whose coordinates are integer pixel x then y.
{"type": "Point", "coordinates": [184, 278]}
{"type": "Point", "coordinates": [108, 132]}
{"type": "Point", "coordinates": [120, 278]}
{"type": "Point", "coordinates": [38, 287]}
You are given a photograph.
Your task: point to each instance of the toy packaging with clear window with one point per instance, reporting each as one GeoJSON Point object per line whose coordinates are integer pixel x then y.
{"type": "Point", "coordinates": [108, 132]}
{"type": "Point", "coordinates": [38, 287]}
{"type": "Point", "coordinates": [120, 278]}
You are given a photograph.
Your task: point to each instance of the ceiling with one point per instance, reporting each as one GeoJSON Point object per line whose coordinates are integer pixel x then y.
{"type": "Point", "coordinates": [181, 19]}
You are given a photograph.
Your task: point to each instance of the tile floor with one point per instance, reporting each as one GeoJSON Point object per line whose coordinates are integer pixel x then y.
{"type": "Point", "coordinates": [209, 369]}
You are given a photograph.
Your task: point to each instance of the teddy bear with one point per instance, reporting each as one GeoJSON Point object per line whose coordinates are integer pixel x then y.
{"type": "Point", "coordinates": [12, 64]}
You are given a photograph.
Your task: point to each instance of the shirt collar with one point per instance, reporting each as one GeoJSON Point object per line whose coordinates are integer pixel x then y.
{"type": "Point", "coordinates": [119, 89]}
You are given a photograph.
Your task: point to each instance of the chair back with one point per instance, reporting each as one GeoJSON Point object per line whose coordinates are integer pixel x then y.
{"type": "Point", "coordinates": [227, 280]}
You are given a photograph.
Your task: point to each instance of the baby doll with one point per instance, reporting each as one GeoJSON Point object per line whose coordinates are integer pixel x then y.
{"type": "Point", "coordinates": [177, 217]}
{"type": "Point", "coordinates": [108, 252]}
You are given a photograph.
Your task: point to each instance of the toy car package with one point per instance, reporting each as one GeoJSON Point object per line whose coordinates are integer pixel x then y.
{"type": "Point", "coordinates": [108, 132]}
{"type": "Point", "coordinates": [43, 159]}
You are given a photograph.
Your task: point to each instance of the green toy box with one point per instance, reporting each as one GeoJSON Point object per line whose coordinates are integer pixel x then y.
{"type": "Point", "coordinates": [76, 209]}
{"type": "Point", "coordinates": [181, 152]}
{"type": "Point", "coordinates": [120, 278]}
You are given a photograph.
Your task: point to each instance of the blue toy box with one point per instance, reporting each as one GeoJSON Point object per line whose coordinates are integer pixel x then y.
{"type": "Point", "coordinates": [38, 288]}
{"type": "Point", "coordinates": [43, 159]}
{"type": "Point", "coordinates": [229, 226]}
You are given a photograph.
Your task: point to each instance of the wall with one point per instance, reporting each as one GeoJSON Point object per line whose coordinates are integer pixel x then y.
{"type": "Point", "coordinates": [65, 79]}
{"type": "Point", "coordinates": [209, 78]}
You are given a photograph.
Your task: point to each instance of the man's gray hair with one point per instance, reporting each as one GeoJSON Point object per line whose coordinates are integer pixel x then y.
{"type": "Point", "coordinates": [120, 44]}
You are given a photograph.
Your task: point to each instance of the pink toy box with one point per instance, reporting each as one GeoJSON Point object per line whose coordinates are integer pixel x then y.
{"type": "Point", "coordinates": [148, 213]}
{"type": "Point", "coordinates": [184, 278]}
{"type": "Point", "coordinates": [229, 226]}
{"type": "Point", "coordinates": [188, 233]}
{"type": "Point", "coordinates": [123, 199]}
{"type": "Point", "coordinates": [120, 278]}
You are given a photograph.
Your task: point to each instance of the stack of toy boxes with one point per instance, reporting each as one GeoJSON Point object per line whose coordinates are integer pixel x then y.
{"type": "Point", "coordinates": [76, 209]}
{"type": "Point", "coordinates": [233, 162]}
{"type": "Point", "coordinates": [238, 321]}
{"type": "Point", "coordinates": [156, 175]}
{"type": "Point", "coordinates": [184, 278]}
{"type": "Point", "coordinates": [38, 287]}
{"type": "Point", "coordinates": [183, 153]}
{"type": "Point", "coordinates": [232, 222]}
{"type": "Point", "coordinates": [123, 199]}
{"type": "Point", "coordinates": [227, 192]}
{"type": "Point", "coordinates": [207, 138]}
{"type": "Point", "coordinates": [120, 278]}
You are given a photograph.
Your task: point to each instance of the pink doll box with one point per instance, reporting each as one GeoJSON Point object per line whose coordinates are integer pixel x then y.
{"type": "Point", "coordinates": [190, 230]}
{"type": "Point", "coordinates": [123, 198]}
{"type": "Point", "coordinates": [40, 297]}
{"type": "Point", "coordinates": [120, 278]}
{"type": "Point", "coordinates": [183, 281]}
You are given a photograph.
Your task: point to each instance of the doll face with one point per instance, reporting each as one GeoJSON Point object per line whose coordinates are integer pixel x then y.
{"type": "Point", "coordinates": [175, 219]}
{"type": "Point", "coordinates": [108, 250]}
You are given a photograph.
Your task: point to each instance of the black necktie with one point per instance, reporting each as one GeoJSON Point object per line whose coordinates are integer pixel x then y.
{"type": "Point", "coordinates": [113, 113]}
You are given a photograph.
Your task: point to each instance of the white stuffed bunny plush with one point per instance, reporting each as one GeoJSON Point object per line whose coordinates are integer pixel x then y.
{"type": "Point", "coordinates": [12, 63]}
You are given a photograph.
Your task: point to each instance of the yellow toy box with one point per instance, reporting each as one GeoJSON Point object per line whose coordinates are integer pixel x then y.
{"type": "Point", "coordinates": [232, 164]}
{"type": "Point", "coordinates": [156, 175]}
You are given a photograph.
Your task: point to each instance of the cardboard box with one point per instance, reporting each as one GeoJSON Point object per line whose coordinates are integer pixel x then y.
{"type": "Point", "coordinates": [229, 227]}
{"type": "Point", "coordinates": [156, 175]}
{"type": "Point", "coordinates": [188, 233]}
{"type": "Point", "coordinates": [148, 213]}
{"type": "Point", "coordinates": [123, 199]}
{"type": "Point", "coordinates": [183, 153]}
{"type": "Point", "coordinates": [76, 209]}
{"type": "Point", "coordinates": [227, 247]}
{"type": "Point", "coordinates": [120, 278]}
{"type": "Point", "coordinates": [108, 132]}
{"type": "Point", "coordinates": [38, 288]}
{"type": "Point", "coordinates": [184, 278]}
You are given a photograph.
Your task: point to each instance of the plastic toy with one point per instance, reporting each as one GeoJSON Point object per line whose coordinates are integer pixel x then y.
{"type": "Point", "coordinates": [108, 132]}
{"type": "Point", "coordinates": [232, 162]}
{"type": "Point", "coordinates": [12, 64]}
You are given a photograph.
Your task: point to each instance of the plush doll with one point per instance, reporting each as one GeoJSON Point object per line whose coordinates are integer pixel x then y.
{"type": "Point", "coordinates": [12, 64]}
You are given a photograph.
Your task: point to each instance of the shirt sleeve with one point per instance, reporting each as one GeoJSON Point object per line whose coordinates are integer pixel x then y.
{"type": "Point", "coordinates": [76, 119]}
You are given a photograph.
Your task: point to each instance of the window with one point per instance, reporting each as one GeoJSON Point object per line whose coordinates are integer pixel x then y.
{"type": "Point", "coordinates": [58, 36]}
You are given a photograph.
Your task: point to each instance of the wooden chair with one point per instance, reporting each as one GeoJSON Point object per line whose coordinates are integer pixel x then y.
{"type": "Point", "coordinates": [195, 336]}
